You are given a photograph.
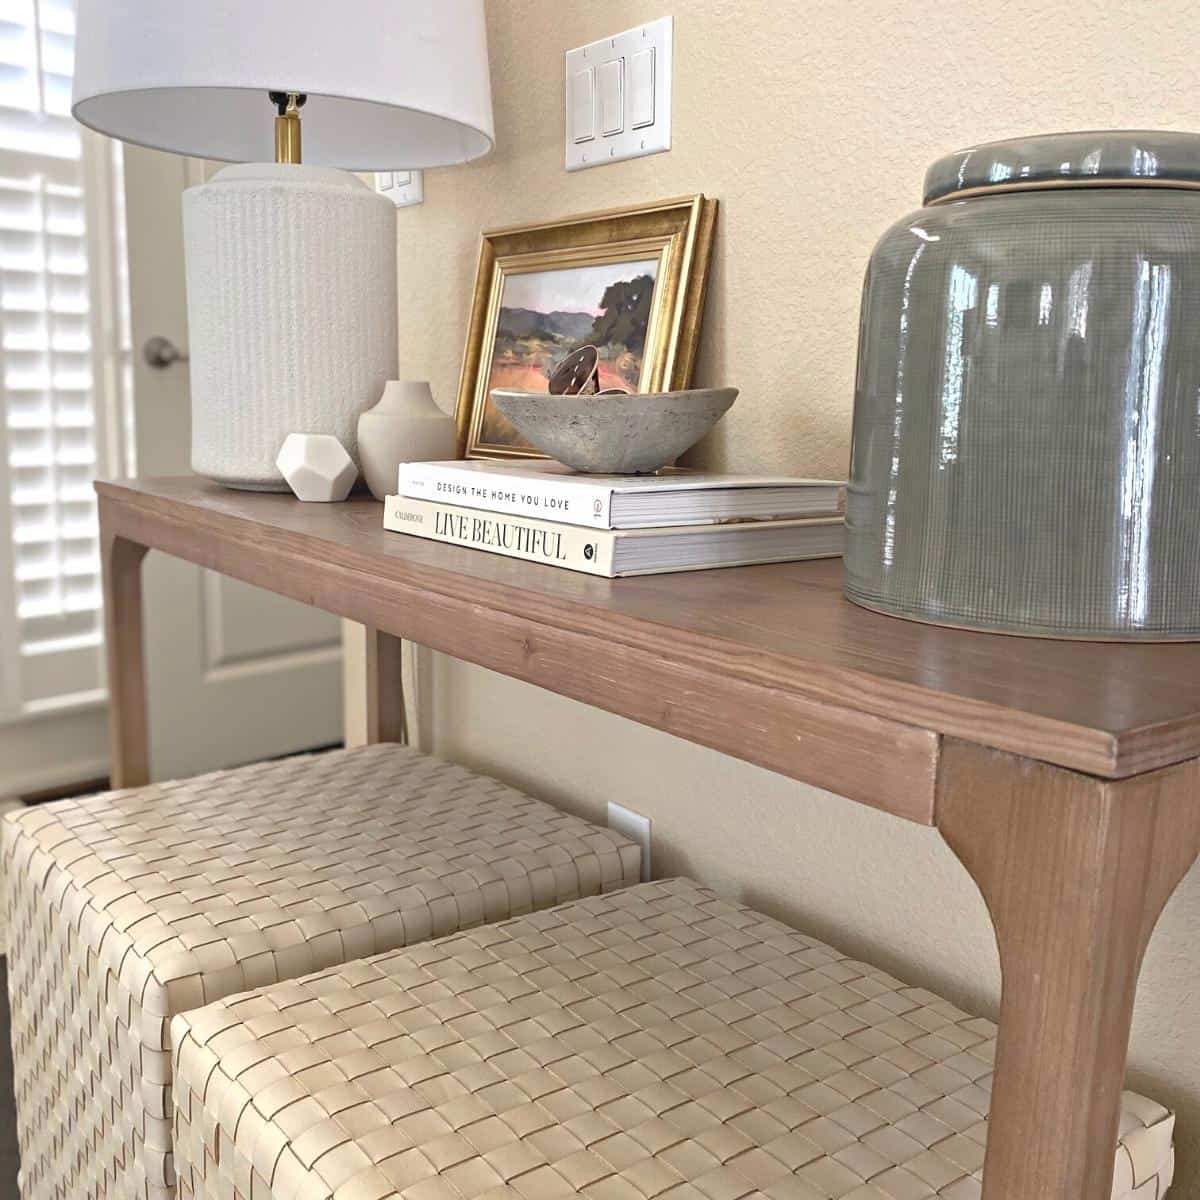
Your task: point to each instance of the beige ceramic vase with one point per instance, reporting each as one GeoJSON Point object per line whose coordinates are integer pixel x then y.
{"type": "Point", "coordinates": [405, 426]}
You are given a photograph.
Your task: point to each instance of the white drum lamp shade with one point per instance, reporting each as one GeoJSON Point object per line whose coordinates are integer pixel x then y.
{"type": "Point", "coordinates": [391, 83]}
{"type": "Point", "coordinates": [291, 269]}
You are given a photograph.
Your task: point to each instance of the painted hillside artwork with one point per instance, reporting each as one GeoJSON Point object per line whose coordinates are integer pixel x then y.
{"type": "Point", "coordinates": [545, 315]}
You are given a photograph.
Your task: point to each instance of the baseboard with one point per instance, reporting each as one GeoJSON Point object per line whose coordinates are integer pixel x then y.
{"type": "Point", "coordinates": [60, 775]}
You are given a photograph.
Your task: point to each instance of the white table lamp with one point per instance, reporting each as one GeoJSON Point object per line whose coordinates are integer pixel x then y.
{"type": "Point", "coordinates": [291, 269]}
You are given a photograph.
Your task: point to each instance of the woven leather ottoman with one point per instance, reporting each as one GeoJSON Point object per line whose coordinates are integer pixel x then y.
{"type": "Point", "coordinates": [654, 1044]}
{"type": "Point", "coordinates": [130, 907]}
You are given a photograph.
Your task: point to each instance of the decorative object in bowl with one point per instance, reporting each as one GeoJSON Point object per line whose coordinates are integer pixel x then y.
{"type": "Point", "coordinates": [1026, 443]}
{"type": "Point", "coordinates": [629, 434]}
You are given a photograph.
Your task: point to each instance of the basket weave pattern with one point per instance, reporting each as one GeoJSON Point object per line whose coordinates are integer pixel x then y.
{"type": "Point", "coordinates": [654, 1044]}
{"type": "Point", "coordinates": [131, 907]}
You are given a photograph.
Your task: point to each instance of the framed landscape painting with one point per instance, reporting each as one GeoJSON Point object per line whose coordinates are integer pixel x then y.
{"type": "Point", "coordinates": [629, 283]}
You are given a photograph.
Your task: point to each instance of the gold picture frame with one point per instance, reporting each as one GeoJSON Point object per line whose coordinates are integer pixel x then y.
{"type": "Point", "coordinates": [669, 242]}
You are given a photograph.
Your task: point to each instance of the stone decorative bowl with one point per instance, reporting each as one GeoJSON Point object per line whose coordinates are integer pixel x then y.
{"type": "Point", "coordinates": [615, 434]}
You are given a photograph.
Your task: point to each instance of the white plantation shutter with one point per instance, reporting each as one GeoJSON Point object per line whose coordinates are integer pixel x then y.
{"type": "Point", "coordinates": [64, 364]}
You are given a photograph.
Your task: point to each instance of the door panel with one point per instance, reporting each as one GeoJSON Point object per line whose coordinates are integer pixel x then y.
{"type": "Point", "coordinates": [244, 625]}
{"type": "Point", "coordinates": [235, 674]}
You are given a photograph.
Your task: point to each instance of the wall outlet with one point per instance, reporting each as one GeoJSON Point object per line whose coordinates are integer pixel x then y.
{"type": "Point", "coordinates": [635, 827]}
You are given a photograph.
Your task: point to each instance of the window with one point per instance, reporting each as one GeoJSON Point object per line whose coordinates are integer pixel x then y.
{"type": "Point", "coordinates": [65, 364]}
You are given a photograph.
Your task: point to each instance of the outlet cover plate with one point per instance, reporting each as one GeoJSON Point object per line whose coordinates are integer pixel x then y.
{"type": "Point", "coordinates": [635, 827]}
{"type": "Point", "coordinates": [643, 58]}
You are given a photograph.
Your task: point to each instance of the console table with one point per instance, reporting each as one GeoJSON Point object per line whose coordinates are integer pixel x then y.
{"type": "Point", "coordinates": [1063, 775]}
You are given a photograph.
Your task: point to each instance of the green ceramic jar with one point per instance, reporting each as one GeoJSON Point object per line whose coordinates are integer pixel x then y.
{"type": "Point", "coordinates": [1027, 412]}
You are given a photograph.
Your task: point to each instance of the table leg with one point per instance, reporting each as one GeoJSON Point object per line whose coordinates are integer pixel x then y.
{"type": "Point", "coordinates": [1075, 871]}
{"type": "Point", "coordinates": [373, 685]}
{"type": "Point", "coordinates": [121, 564]}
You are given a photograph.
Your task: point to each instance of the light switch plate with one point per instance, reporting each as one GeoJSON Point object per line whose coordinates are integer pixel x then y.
{"type": "Point", "coordinates": [635, 827]}
{"type": "Point", "coordinates": [402, 188]}
{"type": "Point", "coordinates": [642, 58]}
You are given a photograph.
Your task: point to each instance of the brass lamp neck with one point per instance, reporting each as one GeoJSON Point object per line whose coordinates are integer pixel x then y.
{"type": "Point", "coordinates": [287, 125]}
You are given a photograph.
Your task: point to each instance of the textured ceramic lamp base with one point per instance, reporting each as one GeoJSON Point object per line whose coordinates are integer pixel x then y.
{"type": "Point", "coordinates": [291, 276]}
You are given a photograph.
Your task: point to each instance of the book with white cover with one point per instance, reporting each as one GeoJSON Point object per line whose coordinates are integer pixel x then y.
{"type": "Point", "coordinates": [617, 552]}
{"type": "Point", "coordinates": [549, 491]}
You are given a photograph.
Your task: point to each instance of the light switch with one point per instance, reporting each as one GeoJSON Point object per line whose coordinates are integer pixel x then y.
{"type": "Point", "coordinates": [583, 105]}
{"type": "Point", "coordinates": [641, 89]}
{"type": "Point", "coordinates": [612, 99]}
{"type": "Point", "coordinates": [402, 188]}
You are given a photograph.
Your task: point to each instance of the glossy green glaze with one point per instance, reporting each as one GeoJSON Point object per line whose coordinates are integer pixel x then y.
{"type": "Point", "coordinates": [1027, 413]}
{"type": "Point", "coordinates": [1142, 155]}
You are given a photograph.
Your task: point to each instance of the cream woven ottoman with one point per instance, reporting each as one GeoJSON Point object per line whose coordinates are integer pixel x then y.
{"type": "Point", "coordinates": [131, 907]}
{"type": "Point", "coordinates": [654, 1043]}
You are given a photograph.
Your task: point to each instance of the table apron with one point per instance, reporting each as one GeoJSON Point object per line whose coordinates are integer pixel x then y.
{"type": "Point", "coordinates": [883, 763]}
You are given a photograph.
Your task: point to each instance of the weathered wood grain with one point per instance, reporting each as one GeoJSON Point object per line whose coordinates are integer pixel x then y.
{"type": "Point", "coordinates": [1110, 710]}
{"type": "Point", "coordinates": [1075, 871]}
{"type": "Point", "coordinates": [129, 734]}
{"type": "Point", "coordinates": [885, 763]}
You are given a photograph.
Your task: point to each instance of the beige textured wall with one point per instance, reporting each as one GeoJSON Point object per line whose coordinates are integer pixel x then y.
{"type": "Point", "coordinates": [812, 123]}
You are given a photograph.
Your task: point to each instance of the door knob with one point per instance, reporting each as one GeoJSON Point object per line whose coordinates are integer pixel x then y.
{"type": "Point", "coordinates": [160, 352]}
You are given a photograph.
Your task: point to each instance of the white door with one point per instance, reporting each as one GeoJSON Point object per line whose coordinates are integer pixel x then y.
{"type": "Point", "coordinates": [235, 674]}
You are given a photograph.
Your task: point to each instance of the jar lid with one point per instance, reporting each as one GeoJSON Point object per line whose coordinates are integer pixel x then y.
{"type": "Point", "coordinates": [1110, 158]}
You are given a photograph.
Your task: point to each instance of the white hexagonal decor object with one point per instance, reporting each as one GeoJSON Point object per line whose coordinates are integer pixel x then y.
{"type": "Point", "coordinates": [316, 466]}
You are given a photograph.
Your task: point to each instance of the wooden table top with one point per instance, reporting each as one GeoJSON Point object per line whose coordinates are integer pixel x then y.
{"type": "Point", "coordinates": [769, 663]}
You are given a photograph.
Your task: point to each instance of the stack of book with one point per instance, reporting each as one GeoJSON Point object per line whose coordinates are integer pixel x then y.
{"type": "Point", "coordinates": [615, 525]}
